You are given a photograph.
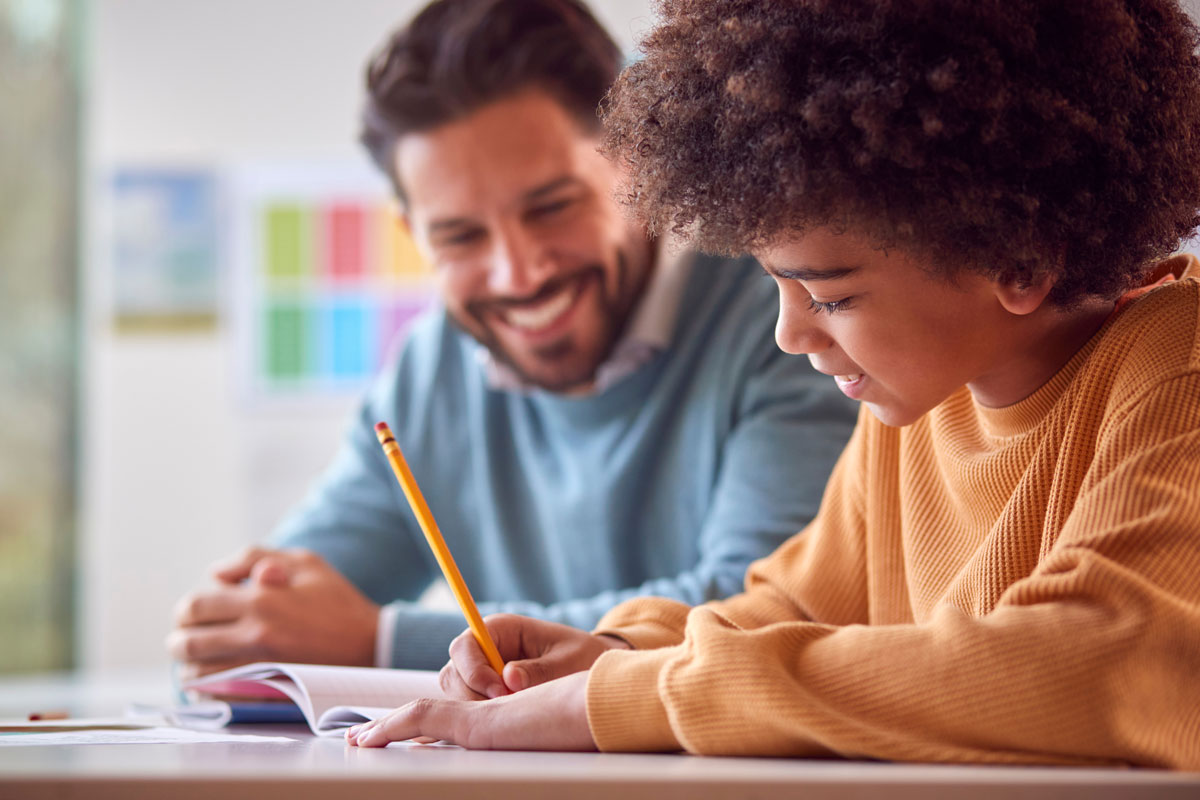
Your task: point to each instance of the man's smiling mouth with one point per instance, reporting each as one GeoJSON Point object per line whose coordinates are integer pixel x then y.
{"type": "Point", "coordinates": [542, 312]}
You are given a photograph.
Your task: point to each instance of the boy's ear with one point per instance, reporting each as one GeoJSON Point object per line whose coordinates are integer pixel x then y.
{"type": "Point", "coordinates": [1023, 298]}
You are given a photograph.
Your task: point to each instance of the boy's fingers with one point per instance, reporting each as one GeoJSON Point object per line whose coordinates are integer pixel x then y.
{"type": "Point", "coordinates": [482, 680]}
{"type": "Point", "coordinates": [431, 719]}
{"type": "Point", "coordinates": [509, 632]}
{"type": "Point", "coordinates": [454, 687]}
{"type": "Point", "coordinates": [472, 669]}
{"type": "Point", "coordinates": [552, 716]}
{"type": "Point", "coordinates": [516, 677]}
{"type": "Point", "coordinates": [555, 663]}
{"type": "Point", "coordinates": [521, 675]}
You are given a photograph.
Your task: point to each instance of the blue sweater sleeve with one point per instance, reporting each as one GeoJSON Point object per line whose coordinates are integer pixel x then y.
{"type": "Point", "coordinates": [356, 517]}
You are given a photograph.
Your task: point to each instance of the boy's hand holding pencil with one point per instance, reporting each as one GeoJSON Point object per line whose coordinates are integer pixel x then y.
{"type": "Point", "coordinates": [536, 651]}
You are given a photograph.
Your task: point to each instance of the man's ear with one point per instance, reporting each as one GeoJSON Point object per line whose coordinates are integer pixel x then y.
{"type": "Point", "coordinates": [1023, 298]}
{"type": "Point", "coordinates": [422, 245]}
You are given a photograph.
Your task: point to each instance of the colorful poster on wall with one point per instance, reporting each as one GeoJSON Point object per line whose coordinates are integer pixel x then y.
{"type": "Point", "coordinates": [164, 251]}
{"type": "Point", "coordinates": [327, 278]}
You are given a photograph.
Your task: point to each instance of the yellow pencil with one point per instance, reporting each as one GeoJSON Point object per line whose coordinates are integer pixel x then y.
{"type": "Point", "coordinates": [434, 536]}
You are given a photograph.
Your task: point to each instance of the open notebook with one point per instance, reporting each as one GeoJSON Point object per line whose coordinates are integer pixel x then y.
{"type": "Point", "coordinates": [330, 698]}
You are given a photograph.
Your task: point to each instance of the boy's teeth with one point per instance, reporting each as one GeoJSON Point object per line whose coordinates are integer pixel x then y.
{"type": "Point", "coordinates": [848, 378]}
{"type": "Point", "coordinates": [539, 315]}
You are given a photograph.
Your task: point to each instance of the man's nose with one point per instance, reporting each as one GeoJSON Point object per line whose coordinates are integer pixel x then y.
{"type": "Point", "coordinates": [519, 262]}
{"type": "Point", "coordinates": [798, 330]}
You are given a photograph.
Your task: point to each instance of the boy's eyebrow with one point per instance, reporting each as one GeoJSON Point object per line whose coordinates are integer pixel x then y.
{"type": "Point", "coordinates": [811, 273]}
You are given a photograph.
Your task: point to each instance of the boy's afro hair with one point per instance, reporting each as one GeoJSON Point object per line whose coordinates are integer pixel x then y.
{"type": "Point", "coordinates": [1016, 138]}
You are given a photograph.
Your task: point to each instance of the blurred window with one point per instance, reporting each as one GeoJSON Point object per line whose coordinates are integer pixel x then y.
{"type": "Point", "coordinates": [39, 302]}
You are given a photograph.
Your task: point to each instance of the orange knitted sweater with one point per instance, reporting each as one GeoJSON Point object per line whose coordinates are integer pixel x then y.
{"type": "Point", "coordinates": [1014, 585]}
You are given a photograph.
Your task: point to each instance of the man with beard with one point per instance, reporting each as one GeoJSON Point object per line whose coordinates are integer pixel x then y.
{"type": "Point", "coordinates": [591, 414]}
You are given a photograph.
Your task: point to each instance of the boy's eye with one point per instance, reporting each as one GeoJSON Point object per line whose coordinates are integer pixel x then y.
{"type": "Point", "coordinates": [829, 307]}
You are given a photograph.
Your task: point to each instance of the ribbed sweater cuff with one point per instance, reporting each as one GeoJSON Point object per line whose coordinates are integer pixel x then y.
{"type": "Point", "coordinates": [421, 637]}
{"type": "Point", "coordinates": [624, 709]}
{"type": "Point", "coordinates": [646, 622]}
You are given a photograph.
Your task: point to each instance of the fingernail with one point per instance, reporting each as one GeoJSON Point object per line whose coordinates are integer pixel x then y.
{"type": "Point", "coordinates": [368, 738]}
{"type": "Point", "coordinates": [352, 730]}
{"type": "Point", "coordinates": [494, 691]}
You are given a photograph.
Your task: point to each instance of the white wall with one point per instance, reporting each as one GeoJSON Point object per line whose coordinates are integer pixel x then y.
{"type": "Point", "coordinates": [176, 470]}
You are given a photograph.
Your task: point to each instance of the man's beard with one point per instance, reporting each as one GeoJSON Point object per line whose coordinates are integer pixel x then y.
{"type": "Point", "coordinates": [615, 311]}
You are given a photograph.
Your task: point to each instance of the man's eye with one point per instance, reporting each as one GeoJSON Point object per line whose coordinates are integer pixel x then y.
{"type": "Point", "coordinates": [461, 239]}
{"type": "Point", "coordinates": [549, 209]}
{"type": "Point", "coordinates": [829, 307]}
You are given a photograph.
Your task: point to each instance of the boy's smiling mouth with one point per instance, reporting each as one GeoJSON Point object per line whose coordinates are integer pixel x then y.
{"type": "Point", "coordinates": [851, 385]}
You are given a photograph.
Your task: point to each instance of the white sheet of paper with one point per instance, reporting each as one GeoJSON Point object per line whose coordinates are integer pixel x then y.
{"type": "Point", "coordinates": [81, 723]}
{"type": "Point", "coordinates": [128, 736]}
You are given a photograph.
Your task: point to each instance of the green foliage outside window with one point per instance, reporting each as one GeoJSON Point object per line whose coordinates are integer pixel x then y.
{"type": "Point", "coordinates": [39, 240]}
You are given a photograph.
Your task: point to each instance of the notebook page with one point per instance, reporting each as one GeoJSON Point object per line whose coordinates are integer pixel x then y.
{"type": "Point", "coordinates": [315, 688]}
{"type": "Point", "coordinates": [328, 686]}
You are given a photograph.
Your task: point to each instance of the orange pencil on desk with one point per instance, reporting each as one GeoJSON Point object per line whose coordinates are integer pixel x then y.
{"type": "Point", "coordinates": [434, 536]}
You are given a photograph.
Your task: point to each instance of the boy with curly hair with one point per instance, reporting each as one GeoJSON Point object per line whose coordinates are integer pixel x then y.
{"type": "Point", "coordinates": [968, 207]}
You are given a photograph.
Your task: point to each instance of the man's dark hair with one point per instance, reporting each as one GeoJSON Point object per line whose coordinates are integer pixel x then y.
{"type": "Point", "coordinates": [457, 56]}
{"type": "Point", "coordinates": [1015, 138]}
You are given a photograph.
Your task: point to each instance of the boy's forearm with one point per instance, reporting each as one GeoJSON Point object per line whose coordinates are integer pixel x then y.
{"type": "Point", "coordinates": [1023, 685]}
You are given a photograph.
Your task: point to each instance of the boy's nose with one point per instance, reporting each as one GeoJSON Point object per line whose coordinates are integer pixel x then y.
{"type": "Point", "coordinates": [797, 331]}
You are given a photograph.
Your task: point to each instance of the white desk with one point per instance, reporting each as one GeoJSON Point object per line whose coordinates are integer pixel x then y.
{"type": "Point", "coordinates": [308, 767]}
